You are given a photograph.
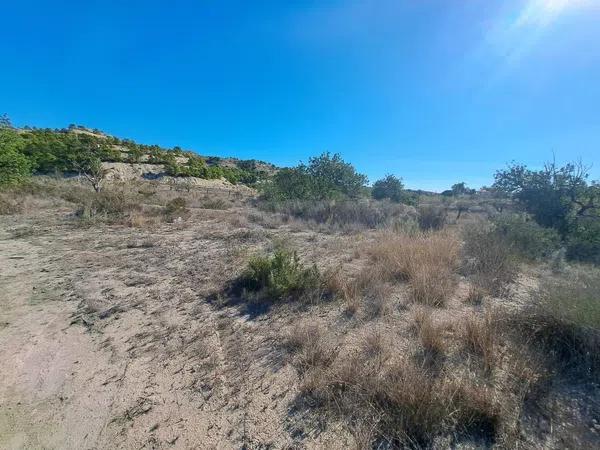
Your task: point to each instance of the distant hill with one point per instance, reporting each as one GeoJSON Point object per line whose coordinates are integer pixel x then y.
{"type": "Point", "coordinates": [57, 150]}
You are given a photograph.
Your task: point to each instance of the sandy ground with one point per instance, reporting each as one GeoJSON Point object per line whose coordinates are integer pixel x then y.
{"type": "Point", "coordinates": [108, 340]}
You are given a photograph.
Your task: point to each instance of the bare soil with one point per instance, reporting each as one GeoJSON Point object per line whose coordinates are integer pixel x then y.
{"type": "Point", "coordinates": [112, 337]}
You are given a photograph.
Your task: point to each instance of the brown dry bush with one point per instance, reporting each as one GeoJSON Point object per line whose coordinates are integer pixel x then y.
{"type": "Point", "coordinates": [432, 217]}
{"type": "Point", "coordinates": [489, 259]}
{"type": "Point", "coordinates": [426, 260]}
{"type": "Point", "coordinates": [402, 403]}
{"type": "Point", "coordinates": [9, 205]}
{"type": "Point", "coordinates": [346, 214]}
{"type": "Point", "coordinates": [480, 337]}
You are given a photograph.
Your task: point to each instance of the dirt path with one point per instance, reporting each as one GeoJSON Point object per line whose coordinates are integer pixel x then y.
{"type": "Point", "coordinates": [46, 362]}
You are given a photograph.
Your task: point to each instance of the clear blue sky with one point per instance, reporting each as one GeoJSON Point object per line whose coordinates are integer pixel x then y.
{"type": "Point", "coordinates": [433, 91]}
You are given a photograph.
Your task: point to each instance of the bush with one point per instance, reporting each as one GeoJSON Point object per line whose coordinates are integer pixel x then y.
{"type": "Point", "coordinates": [14, 165]}
{"type": "Point", "coordinates": [489, 259]}
{"type": "Point", "coordinates": [528, 239]}
{"type": "Point", "coordinates": [432, 217]}
{"type": "Point", "coordinates": [280, 276]}
{"type": "Point", "coordinates": [8, 205]}
{"type": "Point", "coordinates": [583, 243]}
{"type": "Point", "coordinates": [426, 261]}
{"type": "Point", "coordinates": [106, 204]}
{"type": "Point", "coordinates": [177, 206]}
{"type": "Point", "coordinates": [346, 213]}
{"type": "Point", "coordinates": [564, 322]}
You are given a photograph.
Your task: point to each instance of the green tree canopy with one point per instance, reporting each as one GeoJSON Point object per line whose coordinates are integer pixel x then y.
{"type": "Point", "coordinates": [389, 187]}
{"type": "Point", "coordinates": [324, 177]}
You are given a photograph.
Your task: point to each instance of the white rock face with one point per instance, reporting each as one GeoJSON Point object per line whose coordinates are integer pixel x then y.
{"type": "Point", "coordinates": [117, 171]}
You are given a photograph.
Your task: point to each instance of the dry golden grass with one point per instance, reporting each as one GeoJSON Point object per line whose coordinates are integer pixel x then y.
{"type": "Point", "coordinates": [480, 335]}
{"type": "Point", "coordinates": [475, 295]}
{"type": "Point", "coordinates": [312, 345]}
{"type": "Point", "coordinates": [427, 261]}
{"type": "Point", "coordinates": [431, 335]}
{"type": "Point", "coordinates": [397, 401]}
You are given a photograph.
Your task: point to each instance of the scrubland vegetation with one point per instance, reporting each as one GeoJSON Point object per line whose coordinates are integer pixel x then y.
{"type": "Point", "coordinates": [407, 320]}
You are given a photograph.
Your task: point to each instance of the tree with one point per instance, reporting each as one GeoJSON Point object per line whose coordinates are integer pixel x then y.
{"type": "Point", "coordinates": [324, 177]}
{"type": "Point", "coordinates": [461, 189]}
{"type": "Point", "coordinates": [14, 165]}
{"type": "Point", "coordinates": [333, 177]}
{"type": "Point", "coordinates": [5, 121]}
{"type": "Point", "coordinates": [291, 183]}
{"type": "Point", "coordinates": [555, 196]}
{"type": "Point", "coordinates": [88, 163]}
{"type": "Point", "coordinates": [389, 187]}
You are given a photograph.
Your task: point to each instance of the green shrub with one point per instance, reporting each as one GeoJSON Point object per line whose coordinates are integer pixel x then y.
{"type": "Point", "coordinates": [15, 167]}
{"type": "Point", "coordinates": [583, 242]}
{"type": "Point", "coordinates": [432, 217]}
{"type": "Point", "coordinates": [528, 239]}
{"type": "Point", "coordinates": [177, 206]}
{"type": "Point", "coordinates": [280, 276]}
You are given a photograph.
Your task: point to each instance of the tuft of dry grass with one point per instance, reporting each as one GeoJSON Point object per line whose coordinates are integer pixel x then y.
{"type": "Point", "coordinates": [431, 335]}
{"type": "Point", "coordinates": [9, 204]}
{"type": "Point", "coordinates": [563, 323]}
{"type": "Point", "coordinates": [475, 295]}
{"type": "Point", "coordinates": [402, 404]}
{"type": "Point", "coordinates": [312, 346]}
{"type": "Point", "coordinates": [480, 338]}
{"type": "Point", "coordinates": [489, 259]}
{"type": "Point", "coordinates": [426, 260]}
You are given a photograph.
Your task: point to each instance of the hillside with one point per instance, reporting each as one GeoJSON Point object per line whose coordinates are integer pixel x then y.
{"type": "Point", "coordinates": [59, 150]}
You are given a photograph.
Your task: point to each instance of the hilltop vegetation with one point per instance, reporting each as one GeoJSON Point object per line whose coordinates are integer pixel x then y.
{"type": "Point", "coordinates": [48, 151]}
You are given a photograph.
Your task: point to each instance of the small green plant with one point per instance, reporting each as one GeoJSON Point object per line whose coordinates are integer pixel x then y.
{"type": "Point", "coordinates": [280, 276]}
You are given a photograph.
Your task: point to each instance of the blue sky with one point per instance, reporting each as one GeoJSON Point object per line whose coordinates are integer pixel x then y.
{"type": "Point", "coordinates": [433, 91]}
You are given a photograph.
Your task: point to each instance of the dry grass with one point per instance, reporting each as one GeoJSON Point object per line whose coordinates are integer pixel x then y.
{"type": "Point", "coordinates": [489, 259]}
{"type": "Point", "coordinates": [9, 204]}
{"type": "Point", "coordinates": [426, 260]}
{"type": "Point", "coordinates": [312, 346]}
{"type": "Point", "coordinates": [563, 323]}
{"type": "Point", "coordinates": [431, 335]}
{"type": "Point", "coordinates": [400, 403]}
{"type": "Point", "coordinates": [475, 295]}
{"type": "Point", "coordinates": [480, 337]}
